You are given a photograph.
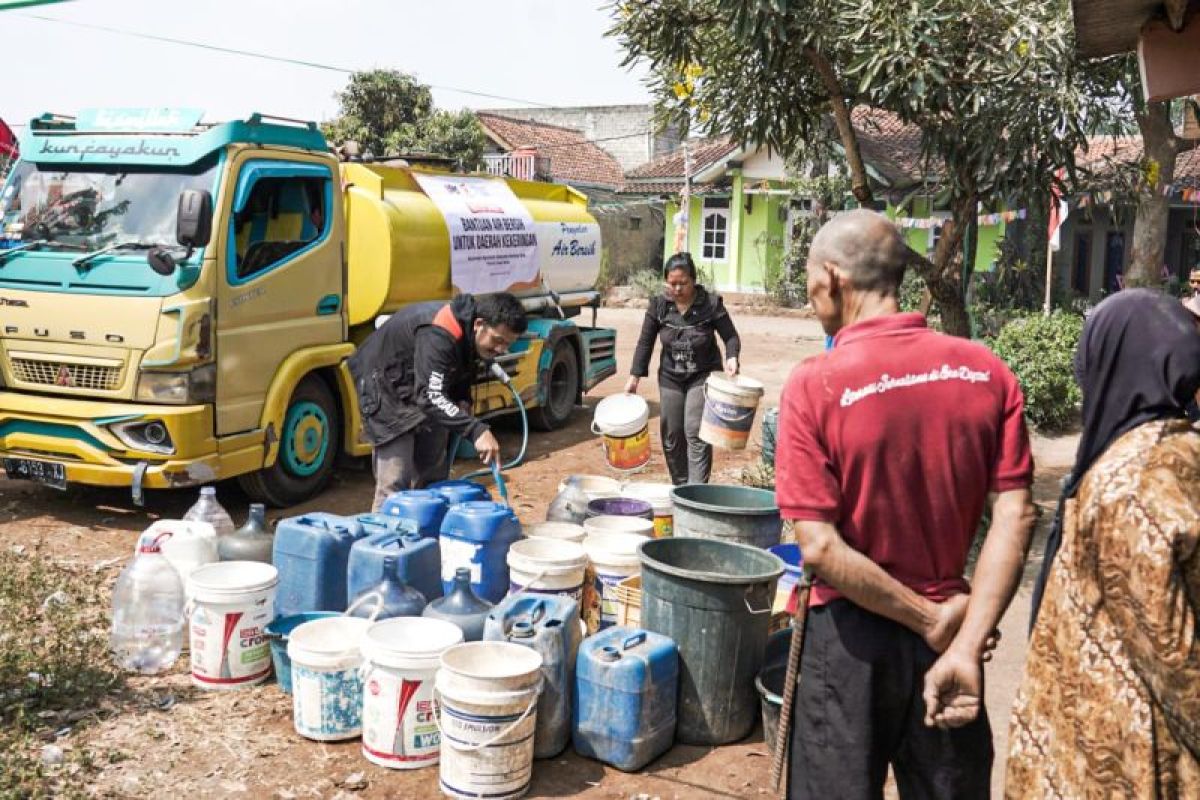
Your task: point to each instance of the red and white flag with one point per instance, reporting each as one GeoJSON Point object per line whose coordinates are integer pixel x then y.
{"type": "Point", "coordinates": [1058, 209]}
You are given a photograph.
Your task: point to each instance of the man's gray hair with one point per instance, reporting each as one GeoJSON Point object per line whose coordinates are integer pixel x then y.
{"type": "Point", "coordinates": [867, 247]}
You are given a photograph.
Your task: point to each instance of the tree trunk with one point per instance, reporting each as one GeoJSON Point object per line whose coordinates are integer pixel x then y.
{"type": "Point", "coordinates": [860, 184]}
{"type": "Point", "coordinates": [1159, 149]}
{"type": "Point", "coordinates": [943, 275]}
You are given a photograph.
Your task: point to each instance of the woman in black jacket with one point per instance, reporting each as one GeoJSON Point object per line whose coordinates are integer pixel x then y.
{"type": "Point", "coordinates": [687, 318]}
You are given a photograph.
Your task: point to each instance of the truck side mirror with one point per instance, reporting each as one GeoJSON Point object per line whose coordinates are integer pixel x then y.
{"type": "Point", "coordinates": [193, 223]}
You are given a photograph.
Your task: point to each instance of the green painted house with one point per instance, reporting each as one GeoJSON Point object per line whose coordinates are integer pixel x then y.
{"type": "Point", "coordinates": [742, 205]}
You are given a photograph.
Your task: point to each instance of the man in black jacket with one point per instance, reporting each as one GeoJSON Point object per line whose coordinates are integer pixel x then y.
{"type": "Point", "coordinates": [414, 379]}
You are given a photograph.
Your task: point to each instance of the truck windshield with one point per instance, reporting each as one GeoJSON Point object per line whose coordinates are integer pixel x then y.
{"type": "Point", "coordinates": [89, 206]}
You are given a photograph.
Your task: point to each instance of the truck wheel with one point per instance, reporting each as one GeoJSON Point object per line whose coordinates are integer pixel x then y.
{"type": "Point", "coordinates": [308, 446]}
{"type": "Point", "coordinates": [562, 389]}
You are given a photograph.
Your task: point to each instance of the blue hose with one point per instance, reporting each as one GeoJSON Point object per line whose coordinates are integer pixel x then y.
{"type": "Point", "coordinates": [494, 469]}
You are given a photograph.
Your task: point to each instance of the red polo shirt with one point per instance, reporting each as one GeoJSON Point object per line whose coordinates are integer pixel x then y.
{"type": "Point", "coordinates": [896, 436]}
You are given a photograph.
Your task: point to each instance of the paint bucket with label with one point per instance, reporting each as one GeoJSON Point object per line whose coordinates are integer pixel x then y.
{"type": "Point", "coordinates": [623, 422]}
{"type": "Point", "coordinates": [547, 566]}
{"type": "Point", "coordinates": [400, 659]}
{"type": "Point", "coordinates": [231, 603]}
{"type": "Point", "coordinates": [558, 531]}
{"type": "Point", "coordinates": [729, 408]}
{"type": "Point", "coordinates": [612, 557]}
{"type": "Point", "coordinates": [658, 495]}
{"type": "Point", "coordinates": [488, 694]}
{"type": "Point", "coordinates": [326, 658]}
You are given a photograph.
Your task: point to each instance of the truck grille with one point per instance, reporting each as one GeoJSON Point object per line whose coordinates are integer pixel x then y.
{"type": "Point", "coordinates": [60, 373]}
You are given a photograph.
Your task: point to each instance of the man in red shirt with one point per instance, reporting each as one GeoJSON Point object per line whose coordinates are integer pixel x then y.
{"type": "Point", "coordinates": [889, 445]}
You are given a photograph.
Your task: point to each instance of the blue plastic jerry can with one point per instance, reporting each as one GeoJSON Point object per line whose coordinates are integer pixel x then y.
{"type": "Point", "coordinates": [477, 536]}
{"type": "Point", "coordinates": [311, 553]}
{"type": "Point", "coordinates": [626, 681]}
{"type": "Point", "coordinates": [423, 507]}
{"type": "Point", "coordinates": [459, 491]}
{"type": "Point", "coordinates": [419, 561]}
{"type": "Point", "coordinates": [548, 624]}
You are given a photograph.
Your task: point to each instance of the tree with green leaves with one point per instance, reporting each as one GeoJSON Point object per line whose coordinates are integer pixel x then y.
{"type": "Point", "coordinates": [1115, 84]}
{"type": "Point", "coordinates": [391, 113]}
{"type": "Point", "coordinates": [989, 86]}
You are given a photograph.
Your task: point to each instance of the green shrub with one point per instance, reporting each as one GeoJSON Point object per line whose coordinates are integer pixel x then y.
{"type": "Point", "coordinates": [646, 284]}
{"type": "Point", "coordinates": [1041, 351]}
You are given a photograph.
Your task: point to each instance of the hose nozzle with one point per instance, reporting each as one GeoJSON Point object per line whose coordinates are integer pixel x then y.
{"type": "Point", "coordinates": [499, 374]}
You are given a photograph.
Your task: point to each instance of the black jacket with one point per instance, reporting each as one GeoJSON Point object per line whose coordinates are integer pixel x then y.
{"type": "Point", "coordinates": [690, 350]}
{"type": "Point", "coordinates": [416, 369]}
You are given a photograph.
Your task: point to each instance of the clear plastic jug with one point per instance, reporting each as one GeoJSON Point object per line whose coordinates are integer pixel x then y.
{"type": "Point", "coordinates": [147, 612]}
{"type": "Point", "coordinates": [207, 509]}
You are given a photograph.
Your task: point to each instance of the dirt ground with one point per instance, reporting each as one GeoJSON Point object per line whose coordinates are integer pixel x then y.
{"type": "Point", "coordinates": [169, 736]}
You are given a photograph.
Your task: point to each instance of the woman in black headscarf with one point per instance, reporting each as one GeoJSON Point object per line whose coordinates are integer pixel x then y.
{"type": "Point", "coordinates": [1110, 703]}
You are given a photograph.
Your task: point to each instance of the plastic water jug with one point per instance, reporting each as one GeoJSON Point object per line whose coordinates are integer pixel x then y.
{"type": "Point", "coordinates": [381, 523]}
{"type": "Point", "coordinates": [147, 611]}
{"type": "Point", "coordinates": [462, 607]}
{"type": "Point", "coordinates": [251, 542]}
{"type": "Point", "coordinates": [626, 680]}
{"type": "Point", "coordinates": [191, 544]}
{"type": "Point", "coordinates": [311, 553]}
{"type": "Point", "coordinates": [391, 597]}
{"type": "Point", "coordinates": [477, 536]}
{"type": "Point", "coordinates": [419, 561]}
{"type": "Point", "coordinates": [421, 506]}
{"type": "Point", "coordinates": [549, 625]}
{"type": "Point", "coordinates": [207, 509]}
{"type": "Point", "coordinates": [457, 491]}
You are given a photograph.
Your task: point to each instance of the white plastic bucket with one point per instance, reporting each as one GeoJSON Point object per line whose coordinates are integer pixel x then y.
{"type": "Point", "coordinates": [326, 659]}
{"type": "Point", "coordinates": [488, 693]}
{"type": "Point", "coordinates": [400, 659]}
{"type": "Point", "coordinates": [558, 531]}
{"type": "Point", "coordinates": [547, 566]}
{"type": "Point", "coordinates": [623, 421]}
{"type": "Point", "coordinates": [606, 524]}
{"type": "Point", "coordinates": [230, 605]}
{"type": "Point", "coordinates": [190, 545]}
{"type": "Point", "coordinates": [612, 557]}
{"type": "Point", "coordinates": [594, 486]}
{"type": "Point", "coordinates": [659, 496]}
{"type": "Point", "coordinates": [729, 408]}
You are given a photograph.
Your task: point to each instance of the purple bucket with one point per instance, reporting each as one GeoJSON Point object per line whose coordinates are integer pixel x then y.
{"type": "Point", "coordinates": [620, 507]}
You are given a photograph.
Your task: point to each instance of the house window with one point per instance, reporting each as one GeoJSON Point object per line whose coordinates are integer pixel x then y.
{"type": "Point", "coordinates": [715, 230]}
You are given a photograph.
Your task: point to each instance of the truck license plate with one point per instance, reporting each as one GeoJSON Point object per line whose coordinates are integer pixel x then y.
{"type": "Point", "coordinates": [45, 472]}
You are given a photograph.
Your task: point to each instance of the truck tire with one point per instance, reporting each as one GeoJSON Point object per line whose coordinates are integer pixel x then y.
{"type": "Point", "coordinates": [562, 389]}
{"type": "Point", "coordinates": [308, 447]}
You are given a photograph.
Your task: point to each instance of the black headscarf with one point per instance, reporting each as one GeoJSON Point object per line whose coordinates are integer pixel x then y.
{"type": "Point", "coordinates": [1138, 361]}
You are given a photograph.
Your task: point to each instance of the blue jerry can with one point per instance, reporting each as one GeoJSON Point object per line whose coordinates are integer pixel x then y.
{"type": "Point", "coordinates": [423, 507]}
{"type": "Point", "coordinates": [419, 563]}
{"type": "Point", "coordinates": [311, 553]}
{"type": "Point", "coordinates": [548, 624]}
{"type": "Point", "coordinates": [626, 681]}
{"type": "Point", "coordinates": [477, 536]}
{"type": "Point", "coordinates": [459, 491]}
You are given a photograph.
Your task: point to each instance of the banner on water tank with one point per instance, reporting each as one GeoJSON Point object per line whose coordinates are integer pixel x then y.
{"type": "Point", "coordinates": [493, 240]}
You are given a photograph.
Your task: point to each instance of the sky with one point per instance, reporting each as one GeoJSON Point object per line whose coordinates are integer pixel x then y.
{"type": "Point", "coordinates": [551, 52]}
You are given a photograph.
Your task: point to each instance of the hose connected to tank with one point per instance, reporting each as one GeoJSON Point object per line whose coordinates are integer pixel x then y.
{"type": "Point", "coordinates": [499, 374]}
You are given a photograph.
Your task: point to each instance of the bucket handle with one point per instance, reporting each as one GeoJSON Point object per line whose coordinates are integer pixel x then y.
{"type": "Point", "coordinates": [474, 748]}
{"type": "Point", "coordinates": [376, 596]}
{"type": "Point", "coordinates": [746, 600]}
{"type": "Point", "coordinates": [724, 417]}
{"type": "Point", "coordinates": [634, 641]}
{"type": "Point", "coordinates": [530, 582]}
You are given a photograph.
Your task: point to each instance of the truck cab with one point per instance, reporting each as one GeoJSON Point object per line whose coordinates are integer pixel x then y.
{"type": "Point", "coordinates": [177, 301]}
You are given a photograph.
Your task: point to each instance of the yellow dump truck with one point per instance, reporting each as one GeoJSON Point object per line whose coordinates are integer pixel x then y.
{"type": "Point", "coordinates": [178, 299]}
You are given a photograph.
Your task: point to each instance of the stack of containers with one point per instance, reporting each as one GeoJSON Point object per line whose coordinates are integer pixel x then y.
{"type": "Point", "coordinates": [312, 553]}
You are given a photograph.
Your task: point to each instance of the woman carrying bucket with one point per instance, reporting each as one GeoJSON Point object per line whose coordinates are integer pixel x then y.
{"type": "Point", "coordinates": [687, 318]}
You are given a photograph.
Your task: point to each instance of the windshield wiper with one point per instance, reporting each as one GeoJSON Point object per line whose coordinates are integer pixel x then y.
{"type": "Point", "coordinates": [87, 259]}
{"type": "Point", "coordinates": [6, 253]}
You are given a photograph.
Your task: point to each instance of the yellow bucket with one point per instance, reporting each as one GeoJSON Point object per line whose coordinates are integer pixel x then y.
{"type": "Point", "coordinates": [729, 408]}
{"type": "Point", "coordinates": [622, 420]}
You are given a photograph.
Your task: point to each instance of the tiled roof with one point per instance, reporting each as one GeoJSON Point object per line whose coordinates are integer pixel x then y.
{"type": "Point", "coordinates": [1104, 150]}
{"type": "Point", "coordinates": [705, 153]}
{"type": "Point", "coordinates": [573, 159]}
{"type": "Point", "coordinates": [889, 145]}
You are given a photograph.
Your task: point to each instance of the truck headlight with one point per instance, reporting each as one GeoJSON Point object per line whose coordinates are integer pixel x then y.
{"type": "Point", "coordinates": [196, 386]}
{"type": "Point", "coordinates": [150, 436]}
